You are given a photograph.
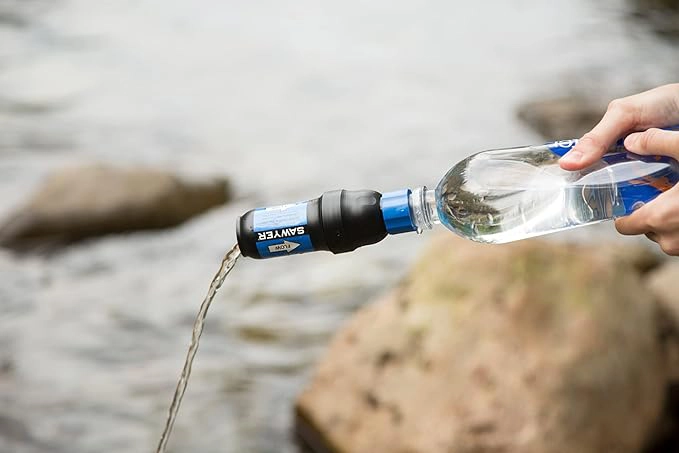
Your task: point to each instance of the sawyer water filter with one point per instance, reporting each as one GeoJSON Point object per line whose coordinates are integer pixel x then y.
{"type": "Point", "coordinates": [494, 196]}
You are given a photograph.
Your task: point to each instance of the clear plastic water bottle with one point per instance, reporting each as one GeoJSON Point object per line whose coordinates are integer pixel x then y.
{"type": "Point", "coordinates": [510, 194]}
{"type": "Point", "coordinates": [495, 196]}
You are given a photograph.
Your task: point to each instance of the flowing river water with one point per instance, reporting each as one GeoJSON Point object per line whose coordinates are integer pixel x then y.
{"type": "Point", "coordinates": [288, 99]}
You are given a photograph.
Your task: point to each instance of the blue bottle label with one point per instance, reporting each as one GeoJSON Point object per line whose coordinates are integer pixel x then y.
{"type": "Point", "coordinates": [637, 191]}
{"type": "Point", "coordinates": [561, 147]}
{"type": "Point", "coordinates": [643, 189]}
{"type": "Point", "coordinates": [282, 230]}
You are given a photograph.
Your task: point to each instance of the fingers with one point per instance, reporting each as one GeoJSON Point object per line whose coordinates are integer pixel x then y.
{"type": "Point", "coordinates": [669, 244]}
{"type": "Point", "coordinates": [658, 107]}
{"type": "Point", "coordinates": [633, 224]}
{"type": "Point", "coordinates": [660, 216]}
{"type": "Point", "coordinates": [621, 117]}
{"type": "Point", "coordinates": [658, 220]}
{"type": "Point", "coordinates": [649, 218]}
{"type": "Point", "coordinates": [654, 141]}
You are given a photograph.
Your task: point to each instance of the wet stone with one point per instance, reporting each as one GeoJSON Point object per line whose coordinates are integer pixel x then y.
{"type": "Point", "coordinates": [89, 201]}
{"type": "Point", "coordinates": [536, 338]}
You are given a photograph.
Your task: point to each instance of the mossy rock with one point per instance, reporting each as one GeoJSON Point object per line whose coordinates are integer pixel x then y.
{"type": "Point", "coordinates": [526, 347]}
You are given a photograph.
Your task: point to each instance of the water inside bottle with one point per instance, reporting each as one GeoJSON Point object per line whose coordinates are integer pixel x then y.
{"type": "Point", "coordinates": [505, 195]}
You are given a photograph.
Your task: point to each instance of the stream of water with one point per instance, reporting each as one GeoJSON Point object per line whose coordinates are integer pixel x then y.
{"type": "Point", "coordinates": [227, 264]}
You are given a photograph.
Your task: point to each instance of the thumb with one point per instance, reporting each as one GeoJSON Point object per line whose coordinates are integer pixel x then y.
{"type": "Point", "coordinates": [654, 141]}
{"type": "Point", "coordinates": [620, 118]}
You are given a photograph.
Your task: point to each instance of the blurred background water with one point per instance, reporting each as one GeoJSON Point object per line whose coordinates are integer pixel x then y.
{"type": "Point", "coordinates": [287, 99]}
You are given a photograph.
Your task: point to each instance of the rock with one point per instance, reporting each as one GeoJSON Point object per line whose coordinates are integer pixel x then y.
{"type": "Point", "coordinates": [662, 283]}
{"type": "Point", "coordinates": [83, 202]}
{"type": "Point", "coordinates": [526, 347]}
{"type": "Point", "coordinates": [662, 16]}
{"type": "Point", "coordinates": [642, 259]}
{"type": "Point", "coordinates": [561, 118]}
{"type": "Point", "coordinates": [665, 437]}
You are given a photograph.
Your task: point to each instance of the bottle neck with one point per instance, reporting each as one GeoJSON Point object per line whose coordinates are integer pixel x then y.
{"type": "Point", "coordinates": [424, 213]}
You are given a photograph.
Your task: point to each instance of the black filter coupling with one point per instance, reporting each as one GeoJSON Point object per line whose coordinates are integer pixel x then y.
{"type": "Point", "coordinates": [339, 221]}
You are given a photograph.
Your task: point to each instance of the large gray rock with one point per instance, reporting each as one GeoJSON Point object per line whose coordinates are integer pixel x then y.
{"type": "Point", "coordinates": [82, 202]}
{"type": "Point", "coordinates": [531, 347]}
{"type": "Point", "coordinates": [561, 118]}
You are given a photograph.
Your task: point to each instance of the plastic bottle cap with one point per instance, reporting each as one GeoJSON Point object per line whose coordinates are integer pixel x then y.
{"type": "Point", "coordinates": [396, 212]}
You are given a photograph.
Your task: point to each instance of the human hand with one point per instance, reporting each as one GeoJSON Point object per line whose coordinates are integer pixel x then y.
{"type": "Point", "coordinates": [658, 107]}
{"type": "Point", "coordinates": [659, 219]}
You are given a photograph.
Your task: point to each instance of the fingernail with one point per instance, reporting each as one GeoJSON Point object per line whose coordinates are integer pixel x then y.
{"type": "Point", "coordinates": [631, 140]}
{"type": "Point", "coordinates": [572, 156]}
